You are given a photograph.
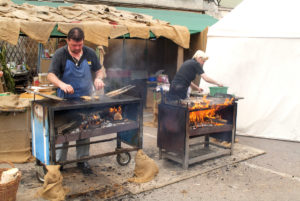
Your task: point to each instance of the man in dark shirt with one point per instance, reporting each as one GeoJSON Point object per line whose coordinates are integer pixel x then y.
{"type": "Point", "coordinates": [186, 74]}
{"type": "Point", "coordinates": [71, 71]}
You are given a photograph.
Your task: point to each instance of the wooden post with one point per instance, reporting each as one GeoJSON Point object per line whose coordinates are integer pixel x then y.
{"type": "Point", "coordinates": [2, 85]}
{"type": "Point", "coordinates": [180, 57]}
{"type": "Point", "coordinates": [198, 42]}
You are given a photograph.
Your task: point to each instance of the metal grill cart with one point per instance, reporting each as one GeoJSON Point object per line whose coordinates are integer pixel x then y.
{"type": "Point", "coordinates": [182, 141]}
{"type": "Point", "coordinates": [56, 122]}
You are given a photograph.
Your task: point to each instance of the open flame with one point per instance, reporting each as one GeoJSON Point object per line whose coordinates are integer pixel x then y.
{"type": "Point", "coordinates": [116, 113]}
{"type": "Point", "coordinates": [115, 110]}
{"type": "Point", "coordinates": [207, 116]}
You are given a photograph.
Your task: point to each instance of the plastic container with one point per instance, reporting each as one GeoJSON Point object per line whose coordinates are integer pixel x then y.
{"type": "Point", "coordinates": [163, 79]}
{"type": "Point", "coordinates": [36, 81]}
{"type": "Point", "coordinates": [43, 78]}
{"type": "Point", "coordinates": [214, 90]}
{"type": "Point", "coordinates": [152, 79]}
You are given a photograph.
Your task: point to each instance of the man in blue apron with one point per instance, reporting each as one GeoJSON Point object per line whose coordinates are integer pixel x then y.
{"type": "Point", "coordinates": [71, 71]}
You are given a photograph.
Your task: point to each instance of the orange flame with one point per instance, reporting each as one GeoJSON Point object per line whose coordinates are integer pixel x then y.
{"type": "Point", "coordinates": [206, 116]}
{"type": "Point", "coordinates": [115, 110]}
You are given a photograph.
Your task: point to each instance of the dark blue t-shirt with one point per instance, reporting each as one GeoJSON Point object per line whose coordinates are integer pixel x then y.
{"type": "Point", "coordinates": [187, 73]}
{"type": "Point", "coordinates": [58, 62]}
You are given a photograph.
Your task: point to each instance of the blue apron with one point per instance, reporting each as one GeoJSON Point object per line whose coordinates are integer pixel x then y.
{"type": "Point", "coordinates": [79, 77]}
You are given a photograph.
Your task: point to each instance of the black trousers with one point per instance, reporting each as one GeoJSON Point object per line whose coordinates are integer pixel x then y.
{"type": "Point", "coordinates": [177, 92]}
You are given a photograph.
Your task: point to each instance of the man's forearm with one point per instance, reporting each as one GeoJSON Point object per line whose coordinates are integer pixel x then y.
{"type": "Point", "coordinates": [54, 80]}
{"type": "Point", "coordinates": [210, 80]}
{"type": "Point", "coordinates": [67, 88]}
{"type": "Point", "coordinates": [194, 86]}
{"type": "Point", "coordinates": [98, 82]}
{"type": "Point", "coordinates": [99, 74]}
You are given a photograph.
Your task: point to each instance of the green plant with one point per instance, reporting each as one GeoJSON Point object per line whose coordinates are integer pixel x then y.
{"type": "Point", "coordinates": [9, 81]}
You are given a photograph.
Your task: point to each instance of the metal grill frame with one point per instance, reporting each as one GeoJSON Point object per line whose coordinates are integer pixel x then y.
{"type": "Point", "coordinates": [175, 137]}
{"type": "Point", "coordinates": [44, 128]}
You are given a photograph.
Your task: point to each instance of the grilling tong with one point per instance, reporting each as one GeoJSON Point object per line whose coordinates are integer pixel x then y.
{"type": "Point", "coordinates": [119, 91]}
{"type": "Point", "coordinates": [44, 95]}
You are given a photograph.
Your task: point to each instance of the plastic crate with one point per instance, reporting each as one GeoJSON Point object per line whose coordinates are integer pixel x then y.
{"type": "Point", "coordinates": [214, 90]}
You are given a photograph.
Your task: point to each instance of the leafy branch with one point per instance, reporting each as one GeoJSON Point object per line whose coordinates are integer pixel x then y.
{"type": "Point", "coordinates": [9, 81]}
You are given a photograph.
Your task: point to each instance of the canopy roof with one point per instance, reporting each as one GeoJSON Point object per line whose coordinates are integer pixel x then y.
{"type": "Point", "coordinates": [101, 22]}
{"type": "Point", "coordinates": [195, 22]}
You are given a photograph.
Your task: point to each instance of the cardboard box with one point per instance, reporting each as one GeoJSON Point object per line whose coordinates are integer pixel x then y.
{"type": "Point", "coordinates": [45, 64]}
{"type": "Point", "coordinates": [152, 96]}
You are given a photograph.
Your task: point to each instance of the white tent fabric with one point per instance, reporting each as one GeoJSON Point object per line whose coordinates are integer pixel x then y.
{"type": "Point", "coordinates": [255, 51]}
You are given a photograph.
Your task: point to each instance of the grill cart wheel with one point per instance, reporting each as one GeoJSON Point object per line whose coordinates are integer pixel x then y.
{"type": "Point", "coordinates": [123, 158]}
{"type": "Point", "coordinates": [40, 171]}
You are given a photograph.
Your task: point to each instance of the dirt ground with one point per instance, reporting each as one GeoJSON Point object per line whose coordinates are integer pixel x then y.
{"type": "Point", "coordinates": [274, 175]}
{"type": "Point", "coordinates": [270, 177]}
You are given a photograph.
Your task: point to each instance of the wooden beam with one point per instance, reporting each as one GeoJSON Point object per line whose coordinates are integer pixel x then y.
{"type": "Point", "coordinates": [180, 57]}
{"type": "Point", "coordinates": [198, 42]}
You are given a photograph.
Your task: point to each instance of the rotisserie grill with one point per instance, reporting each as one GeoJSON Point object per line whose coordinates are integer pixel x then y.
{"type": "Point", "coordinates": [183, 125]}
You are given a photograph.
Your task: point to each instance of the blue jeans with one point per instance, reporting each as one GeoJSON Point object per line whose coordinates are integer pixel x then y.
{"type": "Point", "coordinates": [81, 151]}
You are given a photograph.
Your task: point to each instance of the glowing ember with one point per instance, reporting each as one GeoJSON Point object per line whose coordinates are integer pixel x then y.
{"type": "Point", "coordinates": [207, 116]}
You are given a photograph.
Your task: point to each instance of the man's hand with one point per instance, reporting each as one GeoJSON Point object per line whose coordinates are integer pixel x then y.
{"type": "Point", "coordinates": [99, 84]}
{"type": "Point", "coordinates": [68, 89]}
{"type": "Point", "coordinates": [220, 85]}
{"type": "Point", "coordinates": [200, 89]}
{"type": "Point", "coordinates": [1, 73]}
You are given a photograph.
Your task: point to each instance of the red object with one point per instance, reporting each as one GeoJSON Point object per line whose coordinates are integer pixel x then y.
{"type": "Point", "coordinates": [113, 23]}
{"type": "Point", "coordinates": [36, 83]}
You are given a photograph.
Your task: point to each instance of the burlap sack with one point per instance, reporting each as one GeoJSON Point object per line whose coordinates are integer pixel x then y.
{"type": "Point", "coordinates": [15, 130]}
{"type": "Point", "coordinates": [118, 30]}
{"type": "Point", "coordinates": [38, 31]}
{"type": "Point", "coordinates": [145, 168]}
{"type": "Point", "coordinates": [97, 32]}
{"type": "Point", "coordinates": [9, 30]}
{"type": "Point", "coordinates": [66, 27]}
{"type": "Point", "coordinates": [178, 34]}
{"type": "Point", "coordinates": [138, 30]}
{"type": "Point", "coordinates": [53, 189]}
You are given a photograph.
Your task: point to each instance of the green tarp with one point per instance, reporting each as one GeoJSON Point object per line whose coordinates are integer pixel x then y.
{"type": "Point", "coordinates": [195, 22]}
